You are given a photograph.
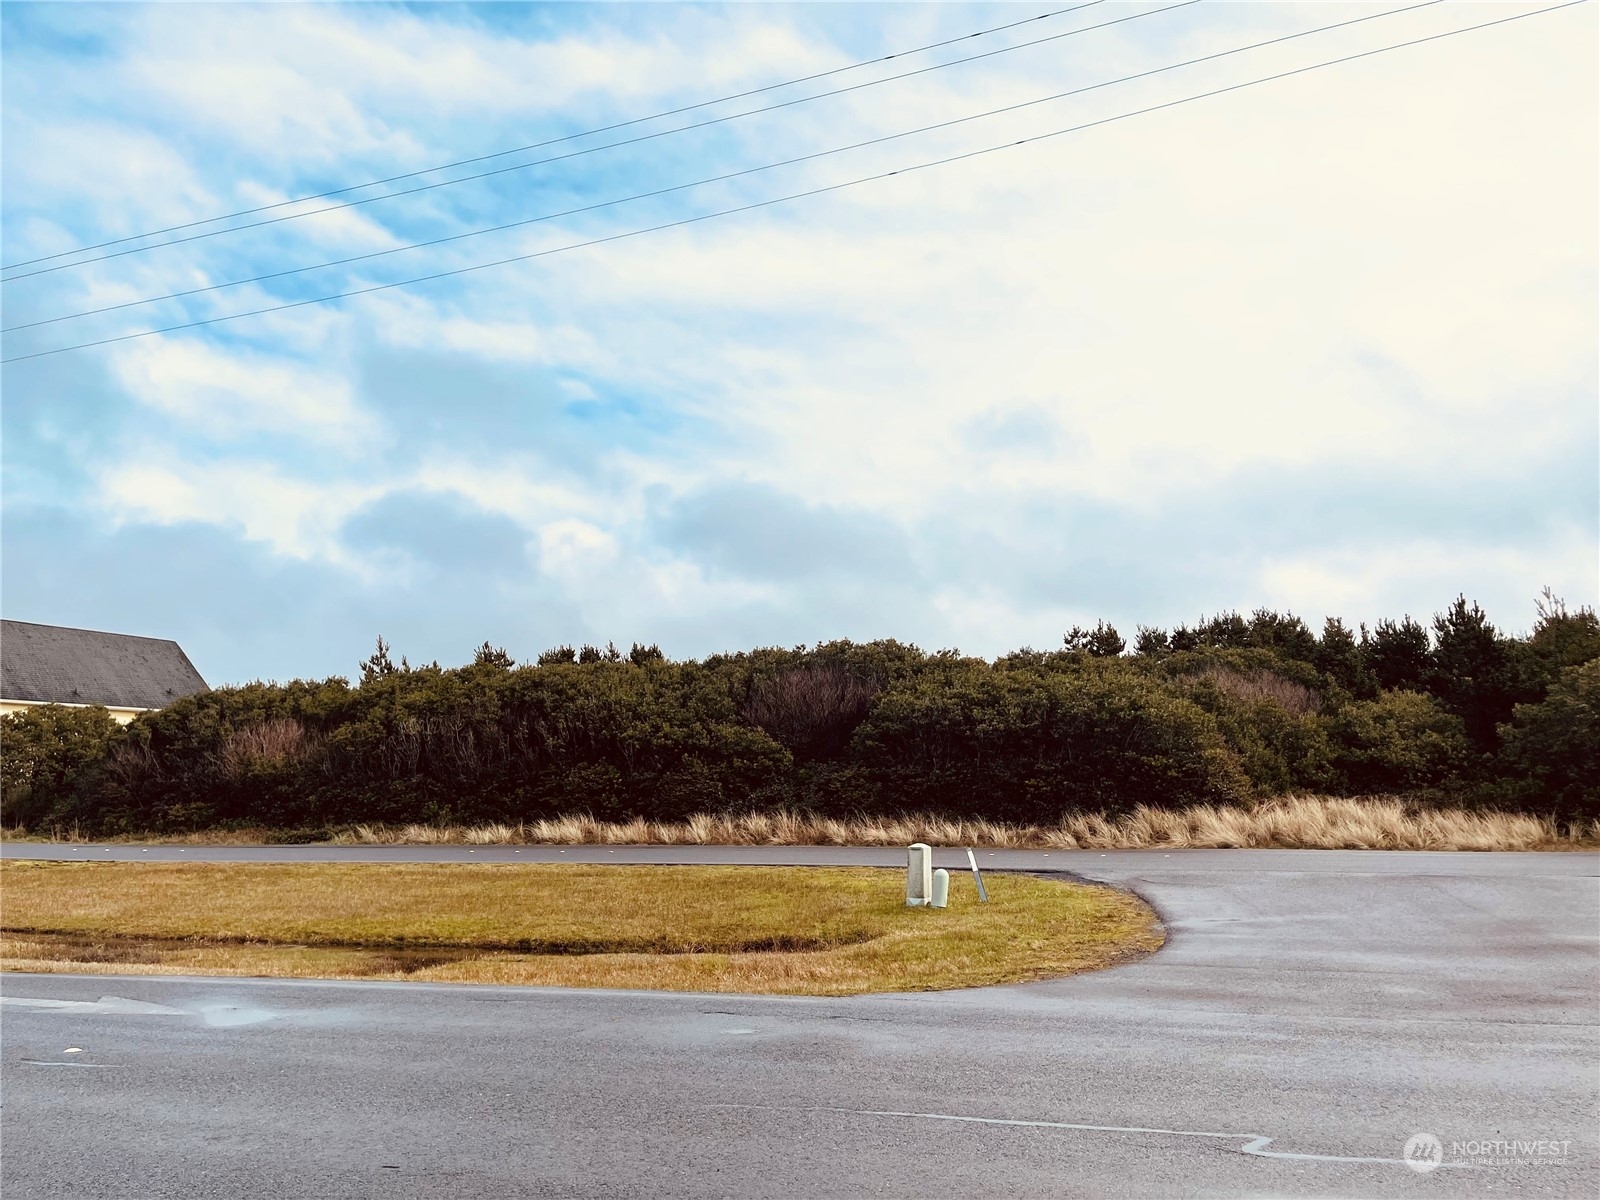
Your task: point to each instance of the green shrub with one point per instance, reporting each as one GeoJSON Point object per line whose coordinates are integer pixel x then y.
{"type": "Point", "coordinates": [1399, 742]}
{"type": "Point", "coordinates": [1561, 639]}
{"type": "Point", "coordinates": [1233, 708]}
{"type": "Point", "coordinates": [44, 752]}
{"type": "Point", "coordinates": [482, 742]}
{"type": "Point", "coordinates": [1267, 719]}
{"type": "Point", "coordinates": [1550, 754]}
{"type": "Point", "coordinates": [1029, 745]}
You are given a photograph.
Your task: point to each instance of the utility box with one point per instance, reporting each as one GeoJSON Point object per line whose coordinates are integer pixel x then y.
{"type": "Point", "coordinates": [919, 875]}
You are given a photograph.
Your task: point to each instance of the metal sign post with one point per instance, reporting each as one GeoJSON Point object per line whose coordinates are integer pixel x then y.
{"type": "Point", "coordinates": [977, 877]}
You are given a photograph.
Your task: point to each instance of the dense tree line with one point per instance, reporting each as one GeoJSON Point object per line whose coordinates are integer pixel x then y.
{"type": "Point", "coordinates": [1231, 709]}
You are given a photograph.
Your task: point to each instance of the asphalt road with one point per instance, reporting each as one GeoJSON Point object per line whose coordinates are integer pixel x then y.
{"type": "Point", "coordinates": [1310, 1013]}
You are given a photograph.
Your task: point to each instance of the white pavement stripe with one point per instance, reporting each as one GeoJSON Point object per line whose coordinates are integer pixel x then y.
{"type": "Point", "coordinates": [106, 1004]}
{"type": "Point", "coordinates": [1255, 1143]}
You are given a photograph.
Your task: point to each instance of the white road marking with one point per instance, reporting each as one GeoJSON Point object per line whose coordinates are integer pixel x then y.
{"type": "Point", "coordinates": [1255, 1144]}
{"type": "Point", "coordinates": [106, 1004]}
{"type": "Point", "coordinates": [217, 1015]}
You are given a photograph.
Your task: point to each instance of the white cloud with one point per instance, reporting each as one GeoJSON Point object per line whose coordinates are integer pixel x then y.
{"type": "Point", "coordinates": [519, 488]}
{"type": "Point", "coordinates": [401, 320]}
{"type": "Point", "coordinates": [1384, 268]}
{"type": "Point", "coordinates": [295, 517]}
{"type": "Point", "coordinates": [1192, 293]}
{"type": "Point", "coordinates": [1368, 583]}
{"type": "Point", "coordinates": [232, 395]}
{"type": "Point", "coordinates": [133, 179]}
{"type": "Point", "coordinates": [321, 221]}
{"type": "Point", "coordinates": [572, 549]}
{"type": "Point", "coordinates": [293, 82]}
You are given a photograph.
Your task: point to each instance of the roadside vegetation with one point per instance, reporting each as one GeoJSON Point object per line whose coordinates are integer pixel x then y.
{"type": "Point", "coordinates": [1294, 822]}
{"type": "Point", "coordinates": [1287, 822]}
{"type": "Point", "coordinates": [1242, 730]}
{"type": "Point", "coordinates": [744, 929]}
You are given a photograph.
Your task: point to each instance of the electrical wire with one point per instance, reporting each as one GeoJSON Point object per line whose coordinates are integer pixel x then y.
{"type": "Point", "coordinates": [568, 137]}
{"type": "Point", "coordinates": [381, 287]}
{"type": "Point", "coordinates": [456, 237]}
{"type": "Point", "coordinates": [643, 137]}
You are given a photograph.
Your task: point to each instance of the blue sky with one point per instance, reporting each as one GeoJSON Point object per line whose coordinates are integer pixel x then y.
{"type": "Point", "coordinates": [1327, 344]}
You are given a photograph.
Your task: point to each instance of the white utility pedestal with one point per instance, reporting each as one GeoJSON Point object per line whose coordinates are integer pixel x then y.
{"type": "Point", "coordinates": [919, 875]}
{"type": "Point", "coordinates": [941, 888]}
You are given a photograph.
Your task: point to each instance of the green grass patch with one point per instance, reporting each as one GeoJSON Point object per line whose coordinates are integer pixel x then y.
{"type": "Point", "coordinates": [754, 929]}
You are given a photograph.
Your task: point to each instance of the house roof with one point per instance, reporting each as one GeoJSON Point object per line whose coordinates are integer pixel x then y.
{"type": "Point", "coordinates": [51, 664]}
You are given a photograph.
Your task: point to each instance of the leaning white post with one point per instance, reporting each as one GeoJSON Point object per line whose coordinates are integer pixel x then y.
{"type": "Point", "coordinates": [919, 875]}
{"type": "Point", "coordinates": [941, 888]}
{"type": "Point", "coordinates": [983, 892]}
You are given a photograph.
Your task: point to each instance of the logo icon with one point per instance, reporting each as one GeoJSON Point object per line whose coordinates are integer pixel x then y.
{"type": "Point", "coordinates": [1423, 1153]}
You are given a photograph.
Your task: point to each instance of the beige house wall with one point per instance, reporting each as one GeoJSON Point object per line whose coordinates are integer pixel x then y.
{"type": "Point", "coordinates": [120, 715]}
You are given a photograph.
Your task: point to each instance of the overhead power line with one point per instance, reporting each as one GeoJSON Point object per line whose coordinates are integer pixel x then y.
{"type": "Point", "coordinates": [567, 137]}
{"type": "Point", "coordinates": [643, 137]}
{"type": "Point", "coordinates": [954, 158]}
{"type": "Point", "coordinates": [456, 237]}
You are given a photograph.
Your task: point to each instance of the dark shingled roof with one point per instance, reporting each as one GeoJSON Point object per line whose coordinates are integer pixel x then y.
{"type": "Point", "coordinates": [53, 664]}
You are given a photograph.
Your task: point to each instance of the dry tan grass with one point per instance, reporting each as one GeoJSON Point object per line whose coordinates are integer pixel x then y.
{"type": "Point", "coordinates": [743, 929]}
{"type": "Point", "coordinates": [1287, 822]}
{"type": "Point", "coordinates": [1290, 822]}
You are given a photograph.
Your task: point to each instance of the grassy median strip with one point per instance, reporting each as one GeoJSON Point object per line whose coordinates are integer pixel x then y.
{"type": "Point", "coordinates": [728, 929]}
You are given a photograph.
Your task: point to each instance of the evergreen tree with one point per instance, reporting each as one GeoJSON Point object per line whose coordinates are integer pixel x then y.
{"type": "Point", "coordinates": [1283, 633]}
{"type": "Point", "coordinates": [1225, 631]}
{"type": "Point", "coordinates": [491, 656]}
{"type": "Point", "coordinates": [641, 654]}
{"type": "Point", "coordinates": [378, 664]}
{"type": "Point", "coordinates": [1103, 641]}
{"type": "Point", "coordinates": [1151, 641]}
{"type": "Point", "coordinates": [1472, 671]}
{"type": "Point", "coordinates": [1184, 638]}
{"type": "Point", "coordinates": [1560, 639]}
{"type": "Point", "coordinates": [1339, 656]}
{"type": "Point", "coordinates": [1397, 654]}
